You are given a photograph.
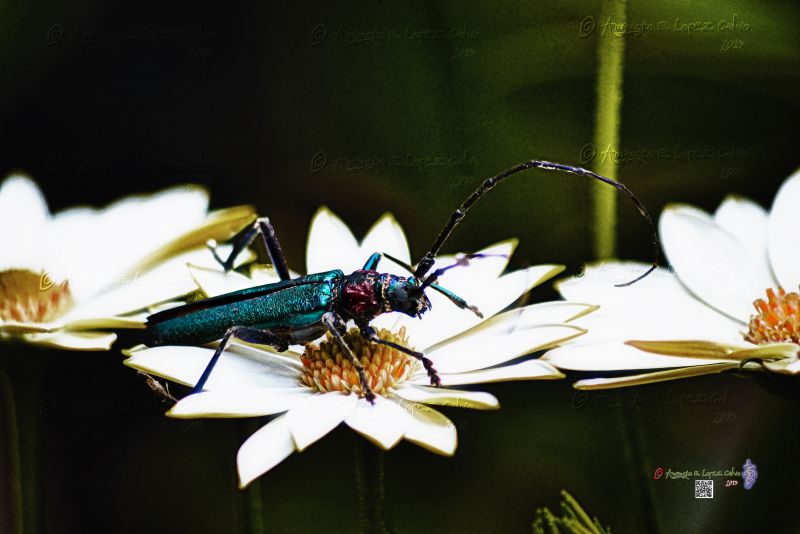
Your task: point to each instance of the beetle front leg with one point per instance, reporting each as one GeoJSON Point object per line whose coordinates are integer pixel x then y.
{"type": "Point", "coordinates": [372, 262]}
{"type": "Point", "coordinates": [250, 335]}
{"type": "Point", "coordinates": [336, 326]}
{"type": "Point", "coordinates": [262, 226]}
{"type": "Point", "coordinates": [369, 333]}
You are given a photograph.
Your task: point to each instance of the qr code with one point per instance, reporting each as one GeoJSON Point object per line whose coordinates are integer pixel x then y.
{"type": "Point", "coordinates": [703, 489]}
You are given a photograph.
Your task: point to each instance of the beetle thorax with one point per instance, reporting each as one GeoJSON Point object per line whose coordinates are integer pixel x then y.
{"type": "Point", "coordinates": [360, 295]}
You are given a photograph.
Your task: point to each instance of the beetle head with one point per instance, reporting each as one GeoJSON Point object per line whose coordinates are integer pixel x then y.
{"type": "Point", "coordinates": [405, 295]}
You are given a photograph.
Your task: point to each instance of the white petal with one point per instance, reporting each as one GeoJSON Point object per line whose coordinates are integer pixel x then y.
{"type": "Point", "coordinates": [784, 234]}
{"type": "Point", "coordinates": [94, 248]}
{"type": "Point", "coordinates": [609, 324]}
{"type": "Point", "coordinates": [243, 402]}
{"type": "Point", "coordinates": [616, 357]}
{"type": "Point", "coordinates": [318, 415]}
{"type": "Point", "coordinates": [543, 313]}
{"type": "Point", "coordinates": [596, 284]}
{"type": "Point", "coordinates": [527, 370]}
{"type": "Point", "coordinates": [24, 221]}
{"type": "Point", "coordinates": [477, 400]}
{"type": "Point", "coordinates": [785, 366]}
{"type": "Point", "coordinates": [658, 376]}
{"type": "Point", "coordinates": [331, 244]}
{"type": "Point", "coordinates": [383, 423]}
{"type": "Point", "coordinates": [479, 270]}
{"type": "Point", "coordinates": [657, 307]}
{"type": "Point", "coordinates": [261, 274]}
{"type": "Point", "coordinates": [747, 222]}
{"type": "Point", "coordinates": [169, 280]}
{"type": "Point", "coordinates": [218, 225]}
{"type": "Point", "coordinates": [429, 428]}
{"type": "Point", "coordinates": [96, 323]}
{"type": "Point", "coordinates": [445, 320]}
{"type": "Point", "coordinates": [486, 349]}
{"type": "Point", "coordinates": [236, 368]}
{"type": "Point", "coordinates": [386, 235]}
{"type": "Point", "coordinates": [74, 340]}
{"type": "Point", "coordinates": [265, 449]}
{"type": "Point", "coordinates": [712, 263]}
{"type": "Point", "coordinates": [214, 281]}
{"type": "Point", "coordinates": [553, 312]}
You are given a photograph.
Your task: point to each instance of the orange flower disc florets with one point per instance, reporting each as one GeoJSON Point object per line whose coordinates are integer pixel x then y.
{"type": "Point", "coordinates": [777, 319]}
{"type": "Point", "coordinates": [28, 297]}
{"type": "Point", "coordinates": [326, 368]}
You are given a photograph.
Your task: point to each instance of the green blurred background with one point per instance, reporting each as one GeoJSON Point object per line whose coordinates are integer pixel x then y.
{"type": "Point", "coordinates": [405, 108]}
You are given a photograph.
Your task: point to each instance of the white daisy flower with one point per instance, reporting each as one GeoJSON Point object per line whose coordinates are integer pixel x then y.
{"type": "Point", "coordinates": [65, 279]}
{"type": "Point", "coordinates": [730, 302]}
{"type": "Point", "coordinates": [311, 389]}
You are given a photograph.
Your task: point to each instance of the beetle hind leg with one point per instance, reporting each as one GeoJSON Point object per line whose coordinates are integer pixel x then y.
{"type": "Point", "coordinates": [244, 239]}
{"type": "Point", "coordinates": [250, 335]}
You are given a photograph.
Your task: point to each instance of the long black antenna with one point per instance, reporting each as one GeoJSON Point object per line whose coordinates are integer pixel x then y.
{"type": "Point", "coordinates": [427, 260]}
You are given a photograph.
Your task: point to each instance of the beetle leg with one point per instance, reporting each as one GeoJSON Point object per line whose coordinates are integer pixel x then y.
{"type": "Point", "coordinates": [336, 326]}
{"type": "Point", "coordinates": [250, 335]}
{"type": "Point", "coordinates": [241, 241]}
{"type": "Point", "coordinates": [369, 333]}
{"type": "Point", "coordinates": [372, 262]}
{"type": "Point", "coordinates": [262, 226]}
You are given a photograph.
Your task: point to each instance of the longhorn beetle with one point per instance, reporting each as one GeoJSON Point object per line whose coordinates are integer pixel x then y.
{"type": "Point", "coordinates": [299, 310]}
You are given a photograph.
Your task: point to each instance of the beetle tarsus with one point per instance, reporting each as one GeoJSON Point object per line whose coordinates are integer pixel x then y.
{"type": "Point", "coordinates": [368, 394]}
{"type": "Point", "coordinates": [432, 373]}
{"type": "Point", "coordinates": [211, 245]}
{"type": "Point", "coordinates": [475, 310]}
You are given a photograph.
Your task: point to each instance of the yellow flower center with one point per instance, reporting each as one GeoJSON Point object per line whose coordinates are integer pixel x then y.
{"type": "Point", "coordinates": [327, 368]}
{"type": "Point", "coordinates": [28, 297]}
{"type": "Point", "coordinates": [777, 319]}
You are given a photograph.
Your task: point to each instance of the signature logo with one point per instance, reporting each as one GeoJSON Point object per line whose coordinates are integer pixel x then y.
{"type": "Point", "coordinates": [749, 474]}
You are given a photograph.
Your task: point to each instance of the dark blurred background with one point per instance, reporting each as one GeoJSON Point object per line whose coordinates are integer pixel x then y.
{"type": "Point", "coordinates": [405, 108]}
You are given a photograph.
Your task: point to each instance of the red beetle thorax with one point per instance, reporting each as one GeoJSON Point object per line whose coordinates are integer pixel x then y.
{"type": "Point", "coordinates": [358, 294]}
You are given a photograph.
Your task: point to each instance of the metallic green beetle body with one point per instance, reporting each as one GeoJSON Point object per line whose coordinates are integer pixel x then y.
{"type": "Point", "coordinates": [290, 307]}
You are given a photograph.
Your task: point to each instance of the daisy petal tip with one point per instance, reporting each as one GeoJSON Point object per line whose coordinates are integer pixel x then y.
{"type": "Point", "coordinates": [109, 343]}
{"type": "Point", "coordinates": [262, 451]}
{"type": "Point", "coordinates": [387, 216]}
{"type": "Point", "coordinates": [588, 385]}
{"type": "Point", "coordinates": [557, 375]}
{"type": "Point", "coordinates": [245, 478]}
{"type": "Point", "coordinates": [383, 445]}
{"type": "Point", "coordinates": [511, 244]}
{"type": "Point", "coordinates": [734, 198]}
{"type": "Point", "coordinates": [488, 402]}
{"type": "Point", "coordinates": [442, 449]}
{"type": "Point", "coordinates": [131, 352]}
{"type": "Point", "coordinates": [324, 211]}
{"type": "Point", "coordinates": [175, 413]}
{"type": "Point", "coordinates": [675, 207]}
{"type": "Point", "coordinates": [448, 452]}
{"type": "Point", "coordinates": [588, 308]}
